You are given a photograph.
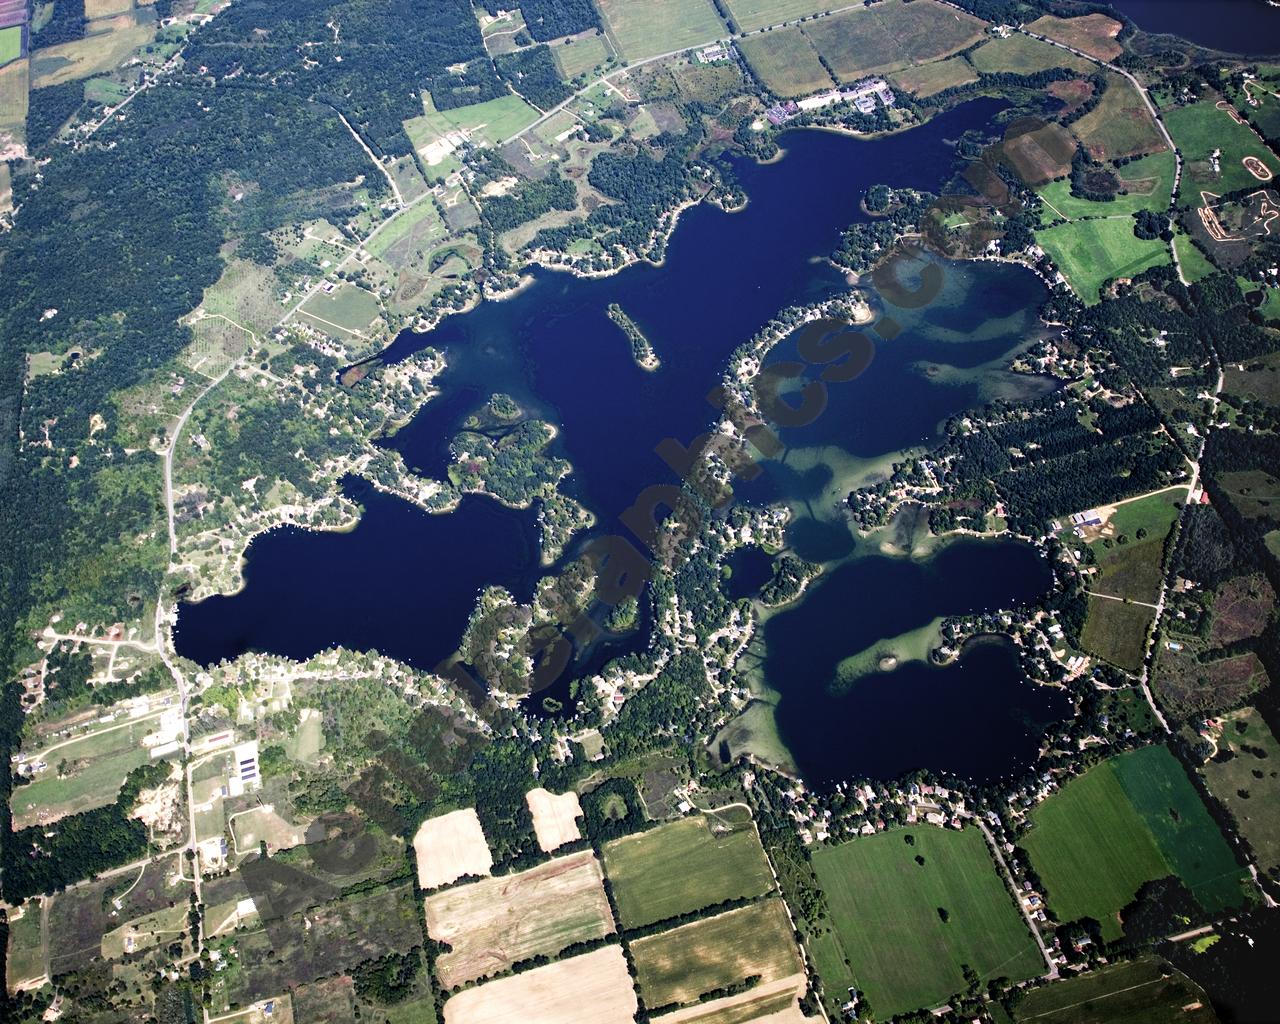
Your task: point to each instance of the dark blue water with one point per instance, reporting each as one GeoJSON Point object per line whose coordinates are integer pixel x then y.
{"type": "Point", "coordinates": [977, 718]}
{"type": "Point", "coordinates": [1237, 26]}
{"type": "Point", "coordinates": [751, 568]}
{"type": "Point", "coordinates": [404, 582]}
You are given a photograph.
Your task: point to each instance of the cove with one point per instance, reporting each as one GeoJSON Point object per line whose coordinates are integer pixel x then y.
{"type": "Point", "coordinates": [977, 717]}
{"type": "Point", "coordinates": [553, 349]}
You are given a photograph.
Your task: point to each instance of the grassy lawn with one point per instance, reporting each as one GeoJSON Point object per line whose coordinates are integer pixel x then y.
{"type": "Point", "coordinates": [682, 867]}
{"type": "Point", "coordinates": [1138, 990]}
{"type": "Point", "coordinates": [786, 62]}
{"type": "Point", "coordinates": [1148, 182]}
{"type": "Point", "coordinates": [1248, 783]}
{"type": "Point", "coordinates": [93, 786]}
{"type": "Point", "coordinates": [25, 962]}
{"type": "Point", "coordinates": [754, 14]}
{"type": "Point", "coordinates": [1199, 129]}
{"type": "Point", "coordinates": [644, 28]}
{"type": "Point", "coordinates": [1120, 125]}
{"type": "Point", "coordinates": [10, 44]}
{"type": "Point", "coordinates": [1023, 55]}
{"type": "Point", "coordinates": [91, 55]}
{"type": "Point", "coordinates": [924, 80]}
{"type": "Point", "coordinates": [884, 911]}
{"type": "Point", "coordinates": [1130, 820]}
{"type": "Point", "coordinates": [680, 965]}
{"type": "Point", "coordinates": [1092, 252]}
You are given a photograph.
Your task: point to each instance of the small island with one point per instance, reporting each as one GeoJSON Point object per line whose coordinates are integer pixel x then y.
{"type": "Point", "coordinates": [641, 350]}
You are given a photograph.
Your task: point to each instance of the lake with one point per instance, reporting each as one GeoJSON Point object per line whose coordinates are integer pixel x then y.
{"type": "Point", "coordinates": [1249, 27]}
{"type": "Point", "coordinates": [403, 582]}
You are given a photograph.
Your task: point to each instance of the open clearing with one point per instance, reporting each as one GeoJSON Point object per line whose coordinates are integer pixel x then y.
{"type": "Point", "coordinates": [576, 55]}
{"type": "Point", "coordinates": [754, 14]}
{"type": "Point", "coordinates": [501, 921]}
{"type": "Point", "coordinates": [1248, 783]}
{"type": "Point", "coordinates": [590, 989]}
{"type": "Point", "coordinates": [10, 44]}
{"type": "Point", "coordinates": [678, 966]}
{"type": "Point", "coordinates": [1133, 819]}
{"type": "Point", "coordinates": [1094, 34]}
{"type": "Point", "coordinates": [682, 867]}
{"type": "Point", "coordinates": [926, 79]}
{"type": "Point", "coordinates": [786, 62]}
{"type": "Point", "coordinates": [886, 921]}
{"type": "Point", "coordinates": [25, 962]}
{"type": "Point", "coordinates": [645, 28]}
{"type": "Point", "coordinates": [490, 122]}
{"type": "Point", "coordinates": [450, 846]}
{"type": "Point", "coordinates": [1117, 631]}
{"type": "Point", "coordinates": [1022, 55]}
{"type": "Point", "coordinates": [1120, 125]}
{"type": "Point", "coordinates": [91, 55]}
{"type": "Point", "coordinates": [348, 308]}
{"type": "Point", "coordinates": [94, 785]}
{"type": "Point", "coordinates": [1138, 990]}
{"type": "Point", "coordinates": [555, 818]}
{"type": "Point", "coordinates": [1147, 184]}
{"type": "Point", "coordinates": [1090, 253]}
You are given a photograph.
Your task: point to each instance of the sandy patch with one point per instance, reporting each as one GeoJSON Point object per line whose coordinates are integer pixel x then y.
{"type": "Point", "coordinates": [501, 921]}
{"type": "Point", "coordinates": [590, 989]}
{"type": "Point", "coordinates": [555, 818]}
{"type": "Point", "coordinates": [450, 846]}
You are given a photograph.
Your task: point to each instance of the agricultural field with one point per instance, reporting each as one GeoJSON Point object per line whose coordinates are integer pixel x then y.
{"type": "Point", "coordinates": [677, 967]}
{"type": "Point", "coordinates": [682, 867]}
{"type": "Point", "coordinates": [1130, 820]}
{"type": "Point", "coordinates": [577, 55]}
{"type": "Point", "coordinates": [1020, 54]}
{"type": "Point", "coordinates": [15, 84]}
{"type": "Point", "coordinates": [645, 28]}
{"type": "Point", "coordinates": [495, 923]}
{"type": "Point", "coordinates": [25, 960]}
{"type": "Point", "coordinates": [1090, 253]}
{"type": "Point", "coordinates": [1147, 184]}
{"type": "Point", "coordinates": [761, 1004]}
{"type": "Point", "coordinates": [753, 14]}
{"type": "Point", "coordinates": [1094, 34]}
{"type": "Point", "coordinates": [1146, 990]}
{"type": "Point", "coordinates": [451, 846]}
{"type": "Point", "coordinates": [555, 818]}
{"type": "Point", "coordinates": [1245, 778]}
{"type": "Point", "coordinates": [856, 43]}
{"type": "Point", "coordinates": [1199, 129]}
{"type": "Point", "coordinates": [887, 896]}
{"type": "Point", "coordinates": [594, 988]}
{"type": "Point", "coordinates": [10, 44]}
{"type": "Point", "coordinates": [786, 62]}
{"type": "Point", "coordinates": [1129, 546]}
{"type": "Point", "coordinates": [1120, 125]}
{"type": "Point", "coordinates": [412, 232]}
{"type": "Point", "coordinates": [924, 80]}
{"type": "Point", "coordinates": [926, 29]}
{"type": "Point", "coordinates": [1041, 155]}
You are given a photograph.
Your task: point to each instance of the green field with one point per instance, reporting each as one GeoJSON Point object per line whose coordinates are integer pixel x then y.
{"type": "Point", "coordinates": [786, 62]}
{"type": "Point", "coordinates": [1199, 129]}
{"type": "Point", "coordinates": [10, 44]}
{"type": "Point", "coordinates": [678, 966]}
{"type": "Point", "coordinates": [1195, 264]}
{"type": "Point", "coordinates": [1089, 253]}
{"type": "Point", "coordinates": [348, 308]}
{"type": "Point", "coordinates": [645, 28]}
{"type": "Point", "coordinates": [1248, 784]}
{"type": "Point", "coordinates": [25, 961]}
{"type": "Point", "coordinates": [1130, 820]}
{"type": "Point", "coordinates": [856, 43]}
{"type": "Point", "coordinates": [924, 80]}
{"type": "Point", "coordinates": [413, 229]}
{"type": "Point", "coordinates": [884, 912]}
{"type": "Point", "coordinates": [1148, 181]}
{"type": "Point", "coordinates": [1133, 565]}
{"type": "Point", "coordinates": [1020, 54]}
{"type": "Point", "coordinates": [754, 14]}
{"type": "Point", "coordinates": [492, 121]}
{"type": "Point", "coordinates": [1135, 991]}
{"type": "Point", "coordinates": [681, 867]}
{"type": "Point", "coordinates": [585, 53]}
